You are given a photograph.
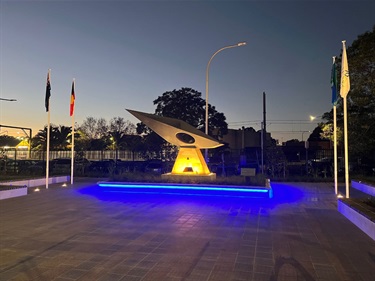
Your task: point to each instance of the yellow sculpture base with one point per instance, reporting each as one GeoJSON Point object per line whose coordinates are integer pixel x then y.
{"type": "Point", "coordinates": [190, 161]}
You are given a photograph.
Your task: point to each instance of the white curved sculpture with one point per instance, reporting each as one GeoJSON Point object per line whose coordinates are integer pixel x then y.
{"type": "Point", "coordinates": [189, 161]}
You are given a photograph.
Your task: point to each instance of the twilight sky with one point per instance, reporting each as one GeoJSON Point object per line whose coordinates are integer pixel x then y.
{"type": "Point", "coordinates": [124, 54]}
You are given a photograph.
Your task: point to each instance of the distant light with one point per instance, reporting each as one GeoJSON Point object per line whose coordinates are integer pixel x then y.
{"type": "Point", "coordinates": [241, 44]}
{"type": "Point", "coordinates": [312, 118]}
{"type": "Point", "coordinates": [64, 185]}
{"type": "Point", "coordinates": [37, 189]}
{"type": "Point", "coordinates": [340, 195]}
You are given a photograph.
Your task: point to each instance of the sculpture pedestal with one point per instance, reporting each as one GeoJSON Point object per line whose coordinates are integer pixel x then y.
{"type": "Point", "coordinates": [190, 161]}
{"type": "Point", "coordinates": [189, 166]}
{"type": "Point", "coordinates": [190, 178]}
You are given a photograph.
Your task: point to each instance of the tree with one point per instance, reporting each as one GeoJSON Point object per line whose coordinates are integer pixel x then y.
{"type": "Point", "coordinates": [118, 124]}
{"type": "Point", "coordinates": [59, 138]}
{"type": "Point", "coordinates": [97, 134]}
{"type": "Point", "coordinates": [361, 99]}
{"type": "Point", "coordinates": [93, 128]}
{"type": "Point", "coordinates": [185, 104]}
{"type": "Point", "coordinates": [8, 141]}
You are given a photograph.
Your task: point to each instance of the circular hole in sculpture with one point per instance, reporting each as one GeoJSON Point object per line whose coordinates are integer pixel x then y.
{"type": "Point", "coordinates": [186, 138]}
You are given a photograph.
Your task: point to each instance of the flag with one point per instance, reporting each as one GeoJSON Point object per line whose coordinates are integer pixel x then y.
{"type": "Point", "coordinates": [72, 99]}
{"type": "Point", "coordinates": [334, 83]}
{"type": "Point", "coordinates": [48, 92]}
{"type": "Point", "coordinates": [345, 81]}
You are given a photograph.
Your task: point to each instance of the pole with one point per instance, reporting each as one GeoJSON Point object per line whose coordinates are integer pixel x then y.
{"type": "Point", "coordinates": [48, 140]}
{"type": "Point", "coordinates": [264, 114]}
{"type": "Point", "coordinates": [334, 102]}
{"type": "Point", "coordinates": [30, 136]}
{"type": "Point", "coordinates": [344, 89]}
{"type": "Point", "coordinates": [262, 145]}
{"type": "Point", "coordinates": [72, 160]}
{"type": "Point", "coordinates": [48, 133]}
{"type": "Point", "coordinates": [346, 149]}
{"type": "Point", "coordinates": [72, 104]}
{"type": "Point", "coordinates": [207, 76]}
{"type": "Point", "coordinates": [335, 148]}
{"type": "Point", "coordinates": [306, 160]}
{"type": "Point", "coordinates": [264, 139]}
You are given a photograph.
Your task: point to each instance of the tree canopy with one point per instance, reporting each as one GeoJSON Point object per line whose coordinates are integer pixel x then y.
{"type": "Point", "coordinates": [185, 104]}
{"type": "Point", "coordinates": [59, 138]}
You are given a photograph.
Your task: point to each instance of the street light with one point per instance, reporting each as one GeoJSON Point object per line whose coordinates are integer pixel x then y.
{"type": "Point", "coordinates": [312, 118]}
{"type": "Point", "coordinates": [306, 150]}
{"type": "Point", "coordinates": [207, 71]}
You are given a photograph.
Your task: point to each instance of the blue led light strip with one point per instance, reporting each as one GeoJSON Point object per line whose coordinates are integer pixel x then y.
{"type": "Point", "coordinates": [182, 187]}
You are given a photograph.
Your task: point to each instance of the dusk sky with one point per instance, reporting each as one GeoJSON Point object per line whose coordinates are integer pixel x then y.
{"type": "Point", "coordinates": [124, 54]}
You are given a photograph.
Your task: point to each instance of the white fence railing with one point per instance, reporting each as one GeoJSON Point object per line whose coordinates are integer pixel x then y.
{"type": "Point", "coordinates": [123, 155]}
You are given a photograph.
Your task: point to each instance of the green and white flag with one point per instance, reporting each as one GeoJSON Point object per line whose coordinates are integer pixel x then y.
{"type": "Point", "coordinates": [334, 83]}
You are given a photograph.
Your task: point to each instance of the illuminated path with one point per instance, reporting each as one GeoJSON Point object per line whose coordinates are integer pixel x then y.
{"type": "Point", "coordinates": [87, 232]}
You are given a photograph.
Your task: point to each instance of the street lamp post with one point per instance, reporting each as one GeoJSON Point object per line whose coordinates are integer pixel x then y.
{"type": "Point", "coordinates": [306, 151]}
{"type": "Point", "coordinates": [207, 71]}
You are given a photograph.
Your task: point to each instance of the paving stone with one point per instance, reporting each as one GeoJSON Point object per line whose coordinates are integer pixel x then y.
{"type": "Point", "coordinates": [83, 233]}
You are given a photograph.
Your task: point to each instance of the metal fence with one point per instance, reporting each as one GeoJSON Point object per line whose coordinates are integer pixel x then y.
{"type": "Point", "coordinates": [123, 155]}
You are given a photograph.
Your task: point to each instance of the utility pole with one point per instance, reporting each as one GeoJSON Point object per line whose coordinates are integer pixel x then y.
{"type": "Point", "coordinates": [264, 130]}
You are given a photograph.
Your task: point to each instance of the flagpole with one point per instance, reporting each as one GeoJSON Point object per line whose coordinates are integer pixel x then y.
{"type": "Point", "coordinates": [344, 89]}
{"type": "Point", "coordinates": [72, 163]}
{"type": "Point", "coordinates": [335, 148]}
{"type": "Point", "coordinates": [346, 149]}
{"type": "Point", "coordinates": [335, 130]}
{"type": "Point", "coordinates": [48, 133]}
{"type": "Point", "coordinates": [48, 138]}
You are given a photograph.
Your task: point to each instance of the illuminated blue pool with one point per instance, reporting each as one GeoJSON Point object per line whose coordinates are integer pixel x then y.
{"type": "Point", "coordinates": [190, 189]}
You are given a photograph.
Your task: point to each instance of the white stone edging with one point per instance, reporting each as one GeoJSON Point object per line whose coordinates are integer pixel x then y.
{"type": "Point", "coordinates": [365, 188]}
{"type": "Point", "coordinates": [36, 182]}
{"type": "Point", "coordinates": [13, 192]}
{"type": "Point", "coordinates": [362, 222]}
{"type": "Point", "coordinates": [19, 187]}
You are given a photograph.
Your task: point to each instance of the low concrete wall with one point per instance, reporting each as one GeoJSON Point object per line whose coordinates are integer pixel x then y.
{"type": "Point", "coordinates": [368, 189]}
{"type": "Point", "coordinates": [12, 191]}
{"type": "Point", "coordinates": [36, 182]}
{"type": "Point", "coordinates": [361, 221]}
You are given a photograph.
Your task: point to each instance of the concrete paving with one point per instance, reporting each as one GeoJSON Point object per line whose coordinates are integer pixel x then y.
{"type": "Point", "coordinates": [83, 232]}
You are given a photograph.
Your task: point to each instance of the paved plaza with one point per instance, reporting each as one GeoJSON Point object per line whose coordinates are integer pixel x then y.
{"type": "Point", "coordinates": [83, 232]}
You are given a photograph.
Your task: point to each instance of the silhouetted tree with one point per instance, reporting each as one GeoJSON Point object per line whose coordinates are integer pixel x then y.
{"type": "Point", "coordinates": [185, 104]}
{"type": "Point", "coordinates": [60, 137]}
{"type": "Point", "coordinates": [8, 141]}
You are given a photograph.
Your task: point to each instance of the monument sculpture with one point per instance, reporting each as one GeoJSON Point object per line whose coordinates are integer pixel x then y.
{"type": "Point", "coordinates": [189, 140]}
